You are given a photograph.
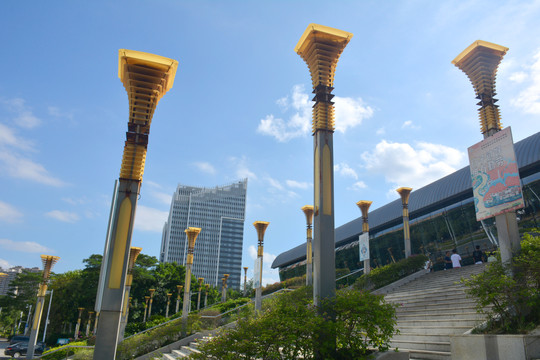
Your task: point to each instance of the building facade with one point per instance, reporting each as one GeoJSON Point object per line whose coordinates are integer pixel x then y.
{"type": "Point", "coordinates": [11, 275]}
{"type": "Point", "coordinates": [220, 213]}
{"type": "Point", "coordinates": [442, 218]}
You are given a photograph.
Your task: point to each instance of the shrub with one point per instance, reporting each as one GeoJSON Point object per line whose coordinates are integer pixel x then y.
{"type": "Point", "coordinates": [64, 351]}
{"type": "Point", "coordinates": [289, 327]}
{"type": "Point", "coordinates": [387, 274]}
{"type": "Point", "coordinates": [510, 294]}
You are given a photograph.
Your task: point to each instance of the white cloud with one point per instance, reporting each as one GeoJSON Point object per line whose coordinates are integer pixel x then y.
{"type": "Point", "coordinates": [350, 112]}
{"type": "Point", "coordinates": [518, 77]}
{"type": "Point", "coordinates": [274, 183]}
{"type": "Point", "coordinates": [242, 171]}
{"type": "Point", "coordinates": [22, 168]}
{"type": "Point", "coordinates": [8, 138]}
{"type": "Point", "coordinates": [23, 114]}
{"type": "Point", "coordinates": [57, 112]}
{"type": "Point", "coordinates": [4, 264]}
{"type": "Point", "coordinates": [205, 167]}
{"type": "Point", "coordinates": [64, 216]}
{"type": "Point", "coordinates": [8, 213]}
{"type": "Point", "coordinates": [358, 185]}
{"type": "Point", "coordinates": [150, 219]}
{"type": "Point", "coordinates": [345, 170]}
{"type": "Point", "coordinates": [298, 184]}
{"type": "Point", "coordinates": [380, 131]}
{"type": "Point", "coordinates": [528, 100]}
{"type": "Point", "coordinates": [405, 165]}
{"type": "Point", "coordinates": [24, 246]}
{"type": "Point", "coordinates": [298, 123]}
{"type": "Point", "coordinates": [162, 197]}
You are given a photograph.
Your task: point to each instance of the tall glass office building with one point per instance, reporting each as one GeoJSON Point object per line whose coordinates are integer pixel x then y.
{"type": "Point", "coordinates": [219, 212]}
{"type": "Point", "coordinates": [442, 218]}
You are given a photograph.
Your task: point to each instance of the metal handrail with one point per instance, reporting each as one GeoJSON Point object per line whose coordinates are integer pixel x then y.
{"type": "Point", "coordinates": [210, 316]}
{"type": "Point", "coordinates": [351, 273]}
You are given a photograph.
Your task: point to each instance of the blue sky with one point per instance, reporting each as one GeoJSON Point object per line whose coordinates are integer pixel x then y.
{"type": "Point", "coordinates": [240, 107]}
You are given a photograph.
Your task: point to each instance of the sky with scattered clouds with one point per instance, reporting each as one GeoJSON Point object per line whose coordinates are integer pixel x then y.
{"type": "Point", "coordinates": [240, 107]}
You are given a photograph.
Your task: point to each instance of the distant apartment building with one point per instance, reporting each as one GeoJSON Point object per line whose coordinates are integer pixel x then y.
{"type": "Point", "coordinates": [11, 274]}
{"type": "Point", "coordinates": [219, 211]}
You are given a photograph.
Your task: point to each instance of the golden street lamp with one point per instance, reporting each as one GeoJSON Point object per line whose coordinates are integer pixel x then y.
{"type": "Point", "coordinates": [364, 208]}
{"type": "Point", "coordinates": [405, 192]}
{"type": "Point", "coordinates": [133, 254]}
{"type": "Point", "coordinates": [201, 280]}
{"type": "Point", "coordinates": [48, 262]}
{"type": "Point", "coordinates": [480, 61]}
{"type": "Point", "coordinates": [206, 289]}
{"type": "Point", "coordinates": [152, 291]}
{"type": "Point", "coordinates": [191, 233]}
{"type": "Point", "coordinates": [78, 326]}
{"type": "Point", "coordinates": [179, 290]}
{"type": "Point", "coordinates": [89, 322]}
{"type": "Point", "coordinates": [147, 299]}
{"type": "Point", "coordinates": [224, 288]}
{"type": "Point", "coordinates": [168, 303]}
{"type": "Point", "coordinates": [245, 279]}
{"type": "Point", "coordinates": [320, 47]}
{"type": "Point", "coordinates": [308, 211]}
{"type": "Point", "coordinates": [260, 226]}
{"type": "Point", "coordinates": [146, 78]}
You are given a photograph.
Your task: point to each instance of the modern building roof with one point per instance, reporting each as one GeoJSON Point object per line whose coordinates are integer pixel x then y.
{"type": "Point", "coordinates": [443, 192]}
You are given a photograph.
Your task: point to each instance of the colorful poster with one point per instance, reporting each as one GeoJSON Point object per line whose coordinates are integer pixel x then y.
{"type": "Point", "coordinates": [257, 273]}
{"type": "Point", "coordinates": [495, 175]}
{"type": "Point", "coordinates": [363, 245]}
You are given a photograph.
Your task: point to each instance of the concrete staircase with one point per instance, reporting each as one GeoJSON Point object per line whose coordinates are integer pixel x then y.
{"type": "Point", "coordinates": [184, 351]}
{"type": "Point", "coordinates": [432, 308]}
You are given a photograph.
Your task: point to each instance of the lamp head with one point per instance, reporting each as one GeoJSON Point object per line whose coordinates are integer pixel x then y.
{"type": "Point", "coordinates": [308, 211]}
{"type": "Point", "coordinates": [261, 226]}
{"type": "Point", "coordinates": [192, 233]}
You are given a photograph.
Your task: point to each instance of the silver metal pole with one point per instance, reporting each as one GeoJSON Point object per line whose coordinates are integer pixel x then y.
{"type": "Point", "coordinates": [47, 319]}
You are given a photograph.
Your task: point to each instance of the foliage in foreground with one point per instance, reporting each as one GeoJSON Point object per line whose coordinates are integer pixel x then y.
{"type": "Point", "coordinates": [512, 303]}
{"type": "Point", "coordinates": [63, 351]}
{"type": "Point", "coordinates": [289, 327]}
{"type": "Point", "coordinates": [387, 274]}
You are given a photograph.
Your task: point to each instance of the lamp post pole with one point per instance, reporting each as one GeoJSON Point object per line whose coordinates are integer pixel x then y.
{"type": "Point", "coordinates": [245, 279]}
{"type": "Point", "coordinates": [48, 262]}
{"type": "Point", "coordinates": [179, 289]}
{"type": "Point", "coordinates": [152, 291]}
{"type": "Point", "coordinates": [308, 211]}
{"type": "Point", "coordinates": [147, 299]}
{"type": "Point", "coordinates": [224, 288]}
{"type": "Point", "coordinates": [78, 326]}
{"type": "Point", "coordinates": [260, 226]}
{"type": "Point", "coordinates": [364, 208]}
{"type": "Point", "coordinates": [133, 254]}
{"type": "Point", "coordinates": [206, 288]}
{"type": "Point", "coordinates": [201, 280]}
{"type": "Point", "coordinates": [88, 323]}
{"type": "Point", "coordinates": [146, 78]}
{"type": "Point", "coordinates": [405, 192]}
{"type": "Point", "coordinates": [320, 47]}
{"type": "Point", "coordinates": [47, 318]}
{"type": "Point", "coordinates": [479, 62]}
{"type": "Point", "coordinates": [168, 303]}
{"type": "Point", "coordinates": [191, 233]}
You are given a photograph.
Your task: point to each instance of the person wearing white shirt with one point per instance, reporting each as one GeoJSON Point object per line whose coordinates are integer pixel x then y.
{"type": "Point", "coordinates": [456, 259]}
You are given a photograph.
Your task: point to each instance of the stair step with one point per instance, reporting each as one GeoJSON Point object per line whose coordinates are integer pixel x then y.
{"type": "Point", "coordinates": [427, 354]}
{"type": "Point", "coordinates": [443, 346]}
{"type": "Point", "coordinates": [442, 316]}
{"type": "Point", "coordinates": [439, 330]}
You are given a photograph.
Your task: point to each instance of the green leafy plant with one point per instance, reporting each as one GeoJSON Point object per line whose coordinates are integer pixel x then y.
{"type": "Point", "coordinates": [289, 327]}
{"type": "Point", "coordinates": [509, 294]}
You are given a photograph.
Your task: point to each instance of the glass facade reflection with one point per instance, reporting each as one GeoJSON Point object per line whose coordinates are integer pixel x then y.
{"type": "Point", "coordinates": [450, 227]}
